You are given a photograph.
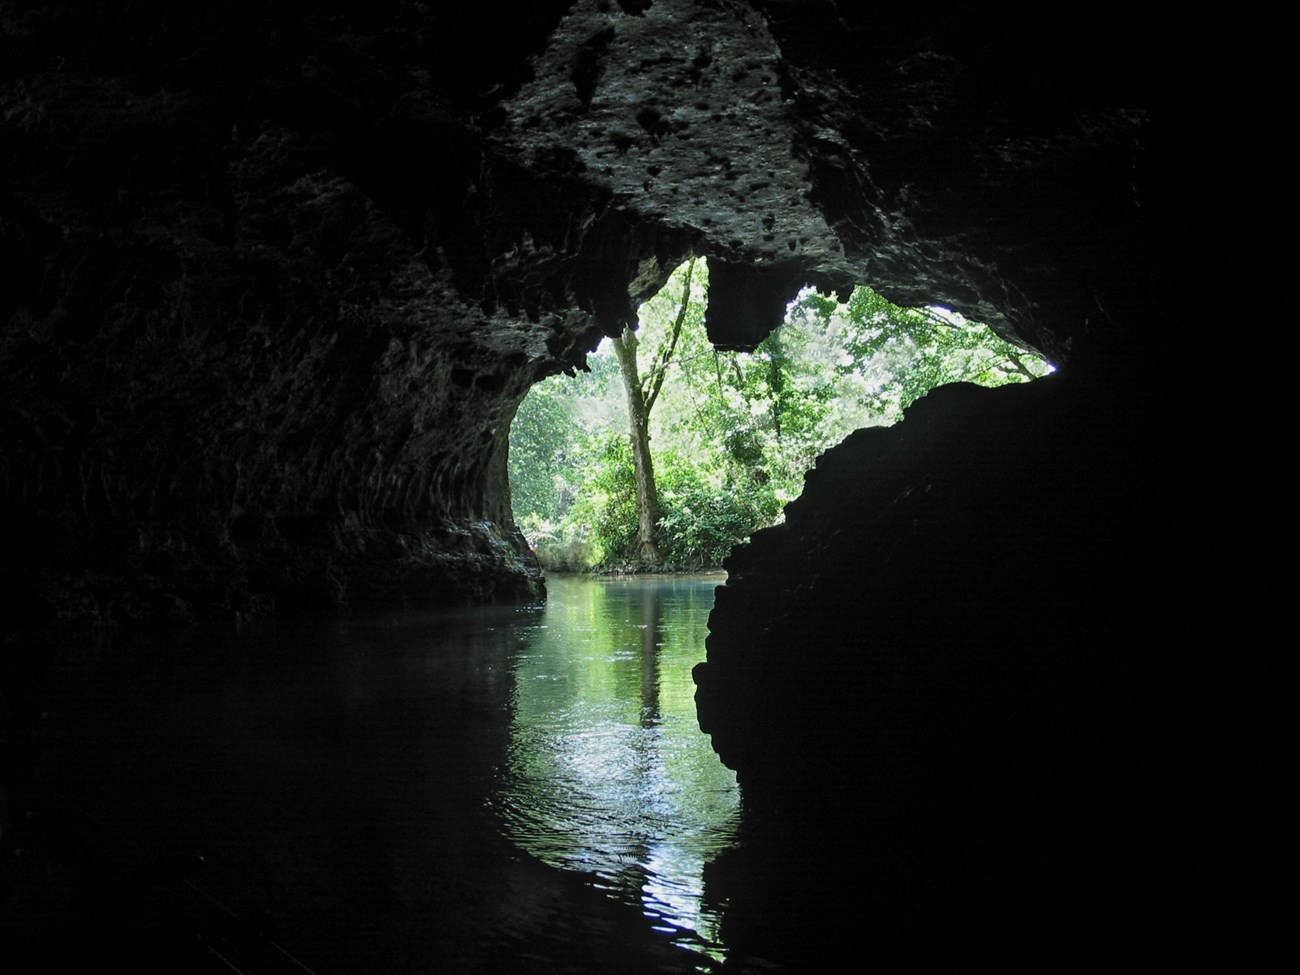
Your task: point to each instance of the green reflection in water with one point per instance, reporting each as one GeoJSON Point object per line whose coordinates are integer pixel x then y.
{"type": "Point", "coordinates": [609, 772]}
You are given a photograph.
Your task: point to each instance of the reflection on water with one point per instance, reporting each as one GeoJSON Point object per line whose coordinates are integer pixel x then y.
{"type": "Point", "coordinates": [608, 772]}
{"type": "Point", "coordinates": [368, 783]}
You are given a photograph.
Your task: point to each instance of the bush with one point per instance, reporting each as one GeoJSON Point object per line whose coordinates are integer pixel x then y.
{"type": "Point", "coordinates": [703, 518]}
{"type": "Point", "coordinates": [559, 546]}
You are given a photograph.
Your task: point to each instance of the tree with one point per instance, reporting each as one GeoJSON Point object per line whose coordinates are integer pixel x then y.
{"type": "Point", "coordinates": [900, 354]}
{"type": "Point", "coordinates": [733, 434]}
{"type": "Point", "coordinates": [540, 444]}
{"type": "Point", "coordinates": [641, 398]}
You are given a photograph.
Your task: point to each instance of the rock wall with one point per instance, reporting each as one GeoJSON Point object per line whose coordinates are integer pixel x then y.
{"type": "Point", "coordinates": [1005, 686]}
{"type": "Point", "coordinates": [274, 278]}
{"type": "Point", "coordinates": [277, 276]}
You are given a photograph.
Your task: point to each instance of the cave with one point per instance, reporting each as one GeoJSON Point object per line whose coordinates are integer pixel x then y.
{"type": "Point", "coordinates": [274, 279]}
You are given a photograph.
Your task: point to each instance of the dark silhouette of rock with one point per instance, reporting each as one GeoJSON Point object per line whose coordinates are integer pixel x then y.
{"type": "Point", "coordinates": [274, 278]}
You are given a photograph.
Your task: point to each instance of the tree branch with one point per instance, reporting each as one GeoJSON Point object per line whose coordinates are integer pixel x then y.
{"type": "Point", "coordinates": [1020, 367]}
{"type": "Point", "coordinates": [655, 377]}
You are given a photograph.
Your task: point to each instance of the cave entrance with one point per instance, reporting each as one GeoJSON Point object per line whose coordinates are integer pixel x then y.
{"type": "Point", "coordinates": [727, 436]}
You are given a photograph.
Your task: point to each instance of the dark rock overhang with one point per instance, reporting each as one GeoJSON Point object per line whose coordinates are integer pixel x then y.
{"type": "Point", "coordinates": [277, 276]}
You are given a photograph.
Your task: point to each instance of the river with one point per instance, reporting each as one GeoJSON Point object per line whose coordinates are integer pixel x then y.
{"type": "Point", "coordinates": [505, 788]}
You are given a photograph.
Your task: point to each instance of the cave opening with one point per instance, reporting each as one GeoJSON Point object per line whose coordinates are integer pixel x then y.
{"type": "Point", "coordinates": [275, 286]}
{"type": "Point", "coordinates": [724, 437]}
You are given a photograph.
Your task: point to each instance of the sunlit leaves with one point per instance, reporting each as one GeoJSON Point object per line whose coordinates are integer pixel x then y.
{"type": "Point", "coordinates": [732, 433]}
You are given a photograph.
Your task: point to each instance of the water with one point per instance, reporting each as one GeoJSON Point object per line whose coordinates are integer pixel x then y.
{"type": "Point", "coordinates": [608, 772]}
{"type": "Point", "coordinates": [517, 788]}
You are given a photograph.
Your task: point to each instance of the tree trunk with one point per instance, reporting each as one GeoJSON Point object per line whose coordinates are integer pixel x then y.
{"type": "Point", "coordinates": [647, 493]}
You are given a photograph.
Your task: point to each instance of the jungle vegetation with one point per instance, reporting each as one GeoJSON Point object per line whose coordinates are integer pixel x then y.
{"type": "Point", "coordinates": [667, 452]}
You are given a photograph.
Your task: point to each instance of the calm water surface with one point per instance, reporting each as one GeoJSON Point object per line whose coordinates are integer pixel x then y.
{"type": "Point", "coordinates": [510, 788]}
{"type": "Point", "coordinates": [608, 772]}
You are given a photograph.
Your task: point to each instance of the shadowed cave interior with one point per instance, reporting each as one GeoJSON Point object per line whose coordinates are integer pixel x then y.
{"type": "Point", "coordinates": [276, 277]}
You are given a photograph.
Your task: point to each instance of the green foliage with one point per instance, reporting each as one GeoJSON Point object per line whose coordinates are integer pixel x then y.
{"type": "Point", "coordinates": [609, 503]}
{"type": "Point", "coordinates": [539, 449]}
{"type": "Point", "coordinates": [564, 545]}
{"type": "Point", "coordinates": [704, 517]}
{"type": "Point", "coordinates": [732, 434]}
{"type": "Point", "coordinates": [892, 356]}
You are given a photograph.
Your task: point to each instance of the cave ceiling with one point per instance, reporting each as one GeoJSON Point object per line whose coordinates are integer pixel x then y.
{"type": "Point", "coordinates": [940, 156]}
{"type": "Point", "coordinates": [276, 276]}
